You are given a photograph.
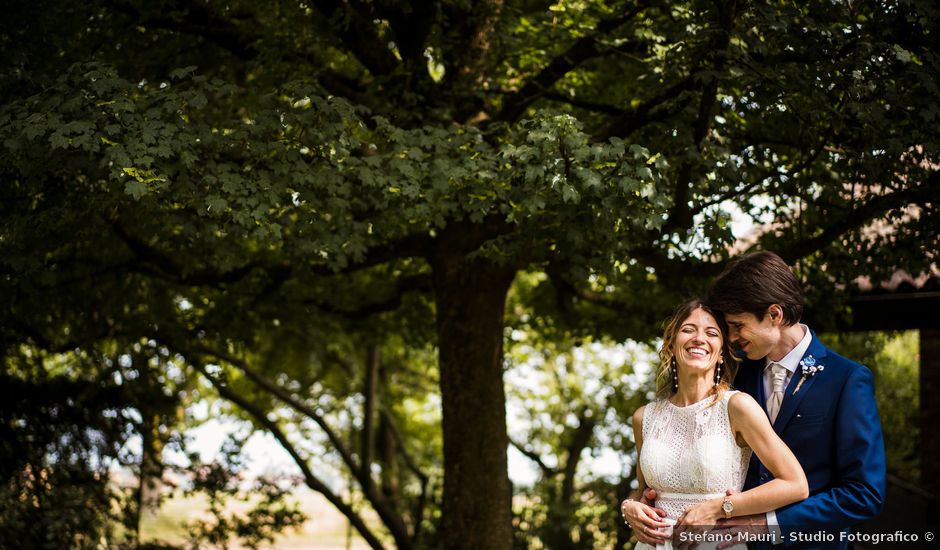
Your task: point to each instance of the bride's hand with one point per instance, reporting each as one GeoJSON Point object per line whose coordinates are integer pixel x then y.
{"type": "Point", "coordinates": [703, 514]}
{"type": "Point", "coordinates": [645, 522]}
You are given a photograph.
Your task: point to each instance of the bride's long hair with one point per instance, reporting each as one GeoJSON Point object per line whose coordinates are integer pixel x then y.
{"type": "Point", "coordinates": [667, 359]}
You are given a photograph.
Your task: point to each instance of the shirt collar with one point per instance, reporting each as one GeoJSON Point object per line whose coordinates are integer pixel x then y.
{"type": "Point", "coordinates": [792, 360]}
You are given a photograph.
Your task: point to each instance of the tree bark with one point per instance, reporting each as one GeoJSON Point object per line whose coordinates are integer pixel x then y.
{"type": "Point", "coordinates": [368, 411]}
{"type": "Point", "coordinates": [151, 470]}
{"type": "Point", "coordinates": [930, 410]}
{"type": "Point", "coordinates": [470, 296]}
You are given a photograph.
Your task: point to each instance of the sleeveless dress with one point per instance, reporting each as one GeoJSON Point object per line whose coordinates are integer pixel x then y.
{"type": "Point", "coordinates": [690, 455]}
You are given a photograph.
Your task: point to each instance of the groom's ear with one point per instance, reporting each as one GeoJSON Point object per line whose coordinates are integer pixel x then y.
{"type": "Point", "coordinates": [775, 312]}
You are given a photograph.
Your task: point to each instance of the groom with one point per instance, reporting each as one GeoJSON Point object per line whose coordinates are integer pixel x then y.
{"type": "Point", "coordinates": [821, 404]}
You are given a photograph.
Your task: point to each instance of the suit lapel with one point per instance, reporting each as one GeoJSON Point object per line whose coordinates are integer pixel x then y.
{"type": "Point", "coordinates": [790, 401]}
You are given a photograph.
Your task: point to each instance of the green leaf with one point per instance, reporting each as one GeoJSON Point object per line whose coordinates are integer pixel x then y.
{"type": "Point", "coordinates": [570, 194]}
{"type": "Point", "coordinates": [178, 74]}
{"type": "Point", "coordinates": [135, 188]}
{"type": "Point", "coordinates": [58, 140]}
{"type": "Point", "coordinates": [198, 100]}
{"type": "Point", "coordinates": [216, 204]}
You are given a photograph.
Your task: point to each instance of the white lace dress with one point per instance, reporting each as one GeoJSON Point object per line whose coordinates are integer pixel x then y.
{"type": "Point", "coordinates": [690, 455]}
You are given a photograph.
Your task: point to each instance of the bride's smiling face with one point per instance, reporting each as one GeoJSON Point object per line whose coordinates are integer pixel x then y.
{"type": "Point", "coordinates": [698, 342]}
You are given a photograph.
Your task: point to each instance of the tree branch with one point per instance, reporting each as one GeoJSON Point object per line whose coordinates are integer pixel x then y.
{"type": "Point", "coordinates": [547, 471]}
{"type": "Point", "coordinates": [361, 471]}
{"type": "Point", "coordinates": [285, 397]}
{"type": "Point", "coordinates": [372, 362]}
{"type": "Point", "coordinates": [584, 48]}
{"type": "Point", "coordinates": [416, 245]}
{"type": "Point", "coordinates": [858, 217]}
{"type": "Point", "coordinates": [339, 84]}
{"type": "Point", "coordinates": [406, 456]}
{"type": "Point", "coordinates": [198, 20]}
{"type": "Point", "coordinates": [474, 24]}
{"type": "Point", "coordinates": [793, 251]}
{"type": "Point", "coordinates": [158, 263]}
{"type": "Point", "coordinates": [580, 439]}
{"type": "Point", "coordinates": [420, 504]}
{"type": "Point", "coordinates": [312, 481]}
{"type": "Point", "coordinates": [420, 282]}
{"type": "Point", "coordinates": [757, 182]}
{"type": "Point", "coordinates": [240, 40]}
{"type": "Point", "coordinates": [630, 120]}
{"type": "Point", "coordinates": [412, 23]}
{"type": "Point", "coordinates": [556, 276]}
{"type": "Point", "coordinates": [352, 24]}
{"type": "Point", "coordinates": [595, 106]}
{"type": "Point", "coordinates": [680, 217]}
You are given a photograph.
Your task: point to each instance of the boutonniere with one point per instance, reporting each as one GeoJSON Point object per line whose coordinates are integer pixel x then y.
{"type": "Point", "coordinates": [810, 368]}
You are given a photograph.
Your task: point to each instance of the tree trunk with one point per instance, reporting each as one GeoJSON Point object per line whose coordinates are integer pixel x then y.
{"type": "Point", "coordinates": [151, 470]}
{"type": "Point", "coordinates": [470, 297]}
{"type": "Point", "coordinates": [930, 411]}
{"type": "Point", "coordinates": [563, 509]}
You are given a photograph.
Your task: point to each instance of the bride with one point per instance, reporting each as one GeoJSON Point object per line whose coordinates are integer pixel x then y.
{"type": "Point", "coordinates": [695, 440]}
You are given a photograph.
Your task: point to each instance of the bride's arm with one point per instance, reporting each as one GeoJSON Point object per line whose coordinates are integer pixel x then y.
{"type": "Point", "coordinates": [643, 519]}
{"type": "Point", "coordinates": [789, 484]}
{"type": "Point", "coordinates": [638, 438]}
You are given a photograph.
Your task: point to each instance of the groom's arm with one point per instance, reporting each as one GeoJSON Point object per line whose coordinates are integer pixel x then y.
{"type": "Point", "coordinates": [858, 486]}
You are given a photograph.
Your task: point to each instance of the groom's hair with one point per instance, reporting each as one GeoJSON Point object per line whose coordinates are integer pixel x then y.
{"type": "Point", "coordinates": [754, 282]}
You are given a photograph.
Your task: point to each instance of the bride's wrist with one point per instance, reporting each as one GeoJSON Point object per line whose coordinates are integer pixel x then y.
{"type": "Point", "coordinates": [716, 509]}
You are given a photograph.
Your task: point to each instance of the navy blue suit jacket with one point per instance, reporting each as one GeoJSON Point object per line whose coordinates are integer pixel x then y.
{"type": "Point", "coordinates": [831, 424]}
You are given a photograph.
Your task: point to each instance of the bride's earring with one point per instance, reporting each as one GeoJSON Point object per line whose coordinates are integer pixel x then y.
{"type": "Point", "coordinates": [718, 371]}
{"type": "Point", "coordinates": [675, 376]}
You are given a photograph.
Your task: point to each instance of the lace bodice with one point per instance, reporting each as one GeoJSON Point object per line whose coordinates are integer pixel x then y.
{"type": "Point", "coordinates": [689, 454]}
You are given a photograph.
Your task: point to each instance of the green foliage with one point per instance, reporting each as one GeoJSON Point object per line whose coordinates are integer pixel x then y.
{"type": "Point", "coordinates": [222, 481]}
{"type": "Point", "coordinates": [898, 393]}
{"type": "Point", "coordinates": [58, 505]}
{"type": "Point", "coordinates": [240, 185]}
{"type": "Point", "coordinates": [60, 436]}
{"type": "Point", "coordinates": [315, 162]}
{"type": "Point", "coordinates": [570, 411]}
{"type": "Point", "coordinates": [894, 360]}
{"type": "Point", "coordinates": [68, 422]}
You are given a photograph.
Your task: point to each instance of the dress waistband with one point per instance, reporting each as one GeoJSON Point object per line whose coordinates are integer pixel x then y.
{"type": "Point", "coordinates": [688, 496]}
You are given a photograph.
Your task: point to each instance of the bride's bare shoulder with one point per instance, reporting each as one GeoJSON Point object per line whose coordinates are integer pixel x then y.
{"type": "Point", "coordinates": [741, 403]}
{"type": "Point", "coordinates": [638, 416]}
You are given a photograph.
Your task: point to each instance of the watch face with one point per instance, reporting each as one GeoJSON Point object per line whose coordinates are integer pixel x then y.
{"type": "Point", "coordinates": [727, 506]}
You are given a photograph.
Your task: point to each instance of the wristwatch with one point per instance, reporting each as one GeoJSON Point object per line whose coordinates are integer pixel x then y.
{"type": "Point", "coordinates": [727, 507]}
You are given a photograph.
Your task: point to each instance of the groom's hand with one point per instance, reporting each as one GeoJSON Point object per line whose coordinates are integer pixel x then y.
{"type": "Point", "coordinates": [649, 499]}
{"type": "Point", "coordinates": [754, 520]}
{"type": "Point", "coordinates": [753, 524]}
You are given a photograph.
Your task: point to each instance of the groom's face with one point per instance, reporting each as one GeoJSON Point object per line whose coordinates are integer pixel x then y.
{"type": "Point", "coordinates": [752, 336]}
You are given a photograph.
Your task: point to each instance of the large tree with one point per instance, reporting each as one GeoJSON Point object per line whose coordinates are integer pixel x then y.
{"type": "Point", "coordinates": [192, 170]}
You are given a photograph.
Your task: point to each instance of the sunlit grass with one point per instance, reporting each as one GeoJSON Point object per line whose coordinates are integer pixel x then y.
{"type": "Point", "coordinates": [326, 529]}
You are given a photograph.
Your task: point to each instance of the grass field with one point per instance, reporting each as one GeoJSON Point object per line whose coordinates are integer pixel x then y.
{"type": "Point", "coordinates": [326, 529]}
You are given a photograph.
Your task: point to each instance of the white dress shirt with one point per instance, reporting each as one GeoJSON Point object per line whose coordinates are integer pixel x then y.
{"type": "Point", "coordinates": [790, 361]}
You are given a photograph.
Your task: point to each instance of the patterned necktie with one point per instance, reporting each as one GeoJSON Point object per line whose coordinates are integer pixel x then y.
{"type": "Point", "coordinates": [779, 374]}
